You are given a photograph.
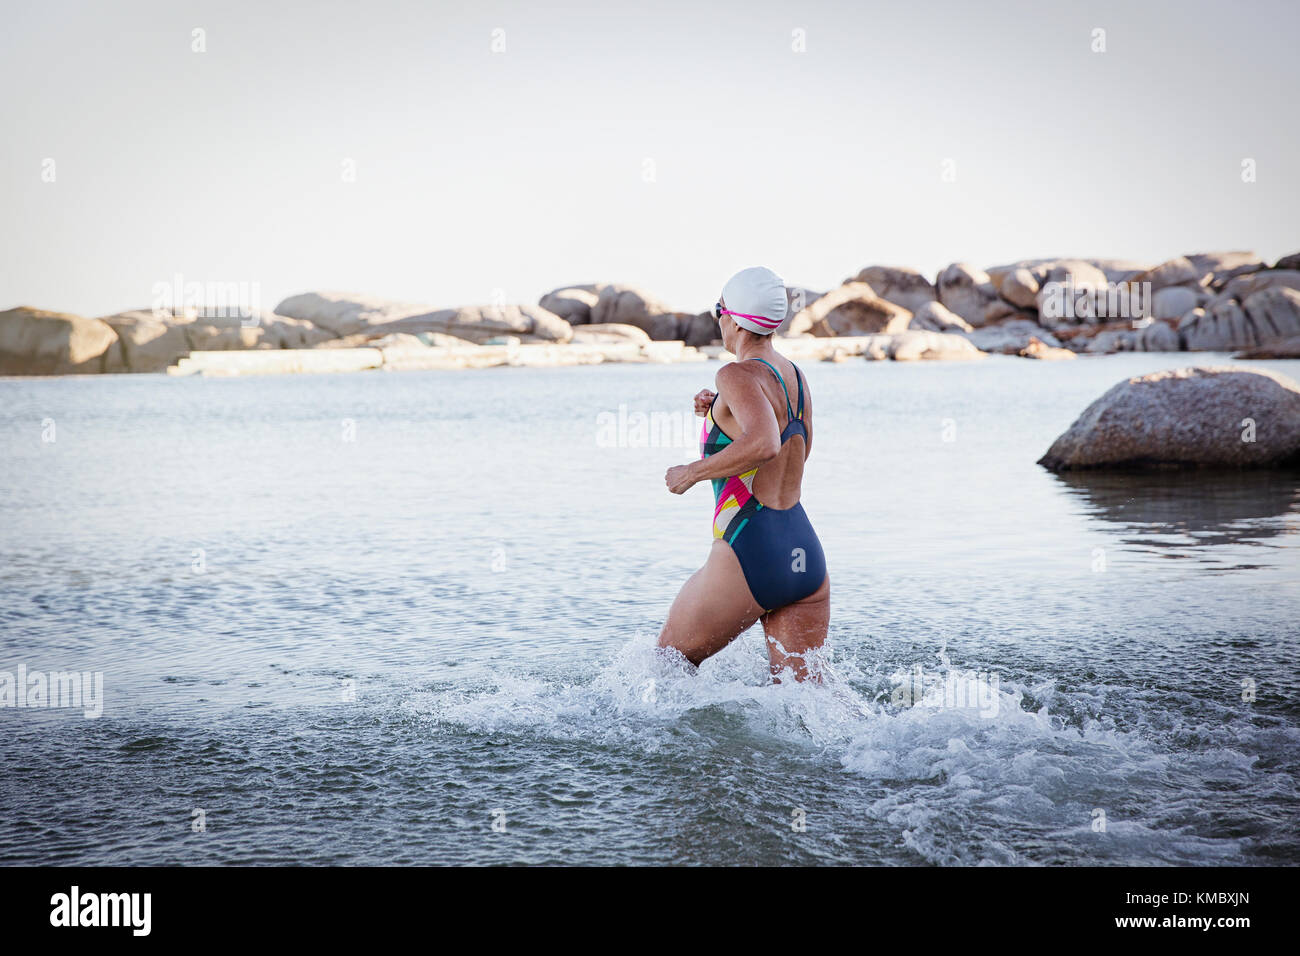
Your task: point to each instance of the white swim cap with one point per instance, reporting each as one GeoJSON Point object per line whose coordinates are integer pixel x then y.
{"type": "Point", "coordinates": [756, 300]}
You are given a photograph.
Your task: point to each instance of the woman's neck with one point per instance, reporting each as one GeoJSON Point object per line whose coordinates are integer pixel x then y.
{"type": "Point", "coordinates": [756, 348]}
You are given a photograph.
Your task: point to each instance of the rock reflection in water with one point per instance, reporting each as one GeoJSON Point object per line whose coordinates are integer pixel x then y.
{"type": "Point", "coordinates": [1181, 513]}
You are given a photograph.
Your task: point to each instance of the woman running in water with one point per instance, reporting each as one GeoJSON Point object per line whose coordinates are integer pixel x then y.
{"type": "Point", "coordinates": [766, 563]}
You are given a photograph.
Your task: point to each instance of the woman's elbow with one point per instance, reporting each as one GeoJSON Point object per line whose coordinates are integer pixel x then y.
{"type": "Point", "coordinates": [768, 447]}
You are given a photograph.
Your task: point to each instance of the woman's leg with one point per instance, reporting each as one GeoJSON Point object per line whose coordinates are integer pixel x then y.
{"type": "Point", "coordinates": [713, 607]}
{"type": "Point", "coordinates": [796, 629]}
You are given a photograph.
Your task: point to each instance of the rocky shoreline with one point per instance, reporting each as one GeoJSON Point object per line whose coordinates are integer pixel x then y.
{"type": "Point", "coordinates": [1045, 309]}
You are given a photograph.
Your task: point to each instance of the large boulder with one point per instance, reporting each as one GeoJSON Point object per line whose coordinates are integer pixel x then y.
{"type": "Point", "coordinates": [1074, 293]}
{"type": "Point", "coordinates": [345, 314]}
{"type": "Point", "coordinates": [1243, 287]}
{"type": "Point", "coordinates": [152, 341]}
{"type": "Point", "coordinates": [1020, 288]}
{"type": "Point", "coordinates": [1115, 270]}
{"type": "Point", "coordinates": [626, 305]}
{"type": "Point", "coordinates": [609, 335]}
{"type": "Point", "coordinates": [1190, 417]}
{"type": "Point", "coordinates": [38, 342]}
{"type": "Point", "coordinates": [797, 299]}
{"type": "Point", "coordinates": [1281, 349]}
{"type": "Point", "coordinates": [1218, 328]}
{"type": "Point", "coordinates": [1000, 310]}
{"type": "Point", "coordinates": [698, 330]}
{"type": "Point", "coordinates": [1175, 301]}
{"type": "Point", "coordinates": [1179, 271]}
{"type": "Point", "coordinates": [1112, 340]}
{"type": "Point", "coordinates": [1271, 314]}
{"type": "Point", "coordinates": [226, 336]}
{"type": "Point", "coordinates": [936, 317]}
{"type": "Point", "coordinates": [1216, 268]}
{"type": "Point", "coordinates": [901, 286]}
{"type": "Point", "coordinates": [574, 304]}
{"type": "Point", "coordinates": [146, 342]}
{"type": "Point", "coordinates": [1157, 337]}
{"type": "Point", "coordinates": [916, 345]}
{"type": "Point", "coordinates": [852, 309]}
{"type": "Point", "coordinates": [1012, 337]}
{"type": "Point", "coordinates": [966, 290]}
{"type": "Point", "coordinates": [1274, 313]}
{"type": "Point", "coordinates": [1291, 262]}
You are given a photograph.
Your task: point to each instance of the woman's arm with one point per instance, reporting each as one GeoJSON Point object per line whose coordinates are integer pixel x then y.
{"type": "Point", "coordinates": [759, 440]}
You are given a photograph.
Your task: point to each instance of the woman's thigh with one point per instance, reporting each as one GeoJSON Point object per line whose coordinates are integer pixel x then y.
{"type": "Point", "coordinates": [796, 629]}
{"type": "Point", "coordinates": [713, 607]}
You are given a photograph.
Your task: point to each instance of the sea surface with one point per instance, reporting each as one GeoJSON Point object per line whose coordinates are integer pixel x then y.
{"type": "Point", "coordinates": [409, 618]}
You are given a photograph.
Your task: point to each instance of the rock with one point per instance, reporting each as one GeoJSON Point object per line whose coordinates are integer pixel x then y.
{"type": "Point", "coordinates": [999, 310]}
{"type": "Point", "coordinates": [345, 313]}
{"type": "Point", "coordinates": [1118, 270]}
{"type": "Point", "coordinates": [936, 317]}
{"type": "Point", "coordinates": [1191, 417]}
{"type": "Point", "coordinates": [1108, 341]}
{"type": "Point", "coordinates": [348, 314]}
{"type": "Point", "coordinates": [146, 342]}
{"type": "Point", "coordinates": [396, 341]}
{"type": "Point", "coordinates": [1157, 337]}
{"type": "Point", "coordinates": [797, 299]}
{"type": "Point", "coordinates": [1036, 349]}
{"type": "Point", "coordinates": [1175, 301]}
{"type": "Point", "coordinates": [1010, 338]}
{"type": "Point", "coordinates": [1216, 268]}
{"type": "Point", "coordinates": [1020, 288]}
{"type": "Point", "coordinates": [574, 304]}
{"type": "Point", "coordinates": [1219, 328]}
{"type": "Point", "coordinates": [876, 351]}
{"type": "Point", "coordinates": [625, 305]}
{"type": "Point", "coordinates": [372, 340]}
{"type": "Point", "coordinates": [38, 342]}
{"type": "Point", "coordinates": [441, 340]}
{"type": "Point", "coordinates": [287, 333]}
{"type": "Point", "coordinates": [1290, 263]}
{"type": "Point", "coordinates": [1074, 293]}
{"type": "Point", "coordinates": [1115, 270]}
{"type": "Point", "coordinates": [966, 291]}
{"type": "Point", "coordinates": [915, 345]}
{"type": "Point", "coordinates": [1281, 349]}
{"type": "Point", "coordinates": [610, 334]}
{"type": "Point", "coordinates": [852, 309]}
{"type": "Point", "coordinates": [901, 286]}
{"type": "Point", "coordinates": [256, 331]}
{"type": "Point", "coordinates": [1180, 271]}
{"type": "Point", "coordinates": [702, 329]}
{"type": "Point", "coordinates": [206, 337]}
{"type": "Point", "coordinates": [1243, 287]}
{"type": "Point", "coordinates": [1273, 314]}
{"type": "Point", "coordinates": [1270, 314]}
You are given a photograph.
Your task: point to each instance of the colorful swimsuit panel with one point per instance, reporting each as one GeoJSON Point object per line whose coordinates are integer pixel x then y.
{"type": "Point", "coordinates": [778, 550]}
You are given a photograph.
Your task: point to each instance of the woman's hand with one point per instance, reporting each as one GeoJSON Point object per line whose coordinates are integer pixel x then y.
{"type": "Point", "coordinates": [702, 402]}
{"type": "Point", "coordinates": [679, 479]}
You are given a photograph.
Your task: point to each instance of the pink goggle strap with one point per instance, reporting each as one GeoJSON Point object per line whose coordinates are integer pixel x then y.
{"type": "Point", "coordinates": [762, 320]}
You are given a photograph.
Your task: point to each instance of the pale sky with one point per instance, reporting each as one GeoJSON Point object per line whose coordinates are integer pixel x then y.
{"type": "Point", "coordinates": [527, 169]}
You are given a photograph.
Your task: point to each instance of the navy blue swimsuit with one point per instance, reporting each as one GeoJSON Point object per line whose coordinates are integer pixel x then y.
{"type": "Point", "coordinates": [778, 550]}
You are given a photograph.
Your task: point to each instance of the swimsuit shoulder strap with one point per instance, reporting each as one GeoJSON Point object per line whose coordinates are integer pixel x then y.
{"type": "Point", "coordinates": [799, 376]}
{"type": "Point", "coordinates": [790, 415]}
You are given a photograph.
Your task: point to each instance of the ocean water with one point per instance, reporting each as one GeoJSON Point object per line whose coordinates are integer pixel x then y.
{"type": "Point", "coordinates": [409, 618]}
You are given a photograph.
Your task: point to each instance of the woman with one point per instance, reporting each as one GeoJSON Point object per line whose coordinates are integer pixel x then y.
{"type": "Point", "coordinates": [766, 563]}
